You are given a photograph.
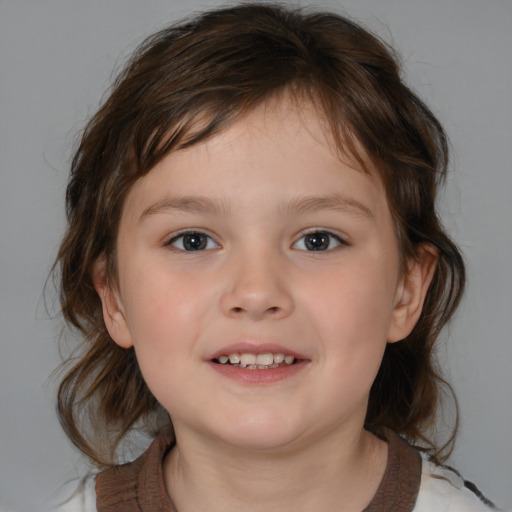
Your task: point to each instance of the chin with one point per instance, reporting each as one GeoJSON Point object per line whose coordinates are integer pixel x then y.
{"type": "Point", "coordinates": [259, 432]}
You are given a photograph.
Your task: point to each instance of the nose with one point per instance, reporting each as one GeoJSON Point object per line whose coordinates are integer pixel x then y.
{"type": "Point", "coordinates": [257, 288]}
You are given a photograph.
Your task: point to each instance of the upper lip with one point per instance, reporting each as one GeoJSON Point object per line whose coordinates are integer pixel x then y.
{"type": "Point", "coordinates": [255, 348]}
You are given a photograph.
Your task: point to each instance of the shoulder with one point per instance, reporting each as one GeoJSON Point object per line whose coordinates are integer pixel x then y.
{"type": "Point", "coordinates": [442, 489]}
{"type": "Point", "coordinates": [78, 496]}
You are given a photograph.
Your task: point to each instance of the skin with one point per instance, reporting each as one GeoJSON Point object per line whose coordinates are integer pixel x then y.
{"type": "Point", "coordinates": [246, 445]}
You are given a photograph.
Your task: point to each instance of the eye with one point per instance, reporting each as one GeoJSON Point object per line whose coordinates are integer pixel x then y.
{"type": "Point", "coordinates": [193, 241]}
{"type": "Point", "coordinates": [318, 241]}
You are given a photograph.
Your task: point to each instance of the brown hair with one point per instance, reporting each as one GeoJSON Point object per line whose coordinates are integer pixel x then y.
{"type": "Point", "coordinates": [213, 69]}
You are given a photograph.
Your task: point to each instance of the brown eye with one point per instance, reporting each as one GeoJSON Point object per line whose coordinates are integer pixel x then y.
{"type": "Point", "coordinates": [193, 241]}
{"type": "Point", "coordinates": [318, 241]}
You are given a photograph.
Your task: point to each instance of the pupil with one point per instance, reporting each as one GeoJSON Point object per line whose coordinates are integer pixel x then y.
{"type": "Point", "coordinates": [317, 241]}
{"type": "Point", "coordinates": [194, 242]}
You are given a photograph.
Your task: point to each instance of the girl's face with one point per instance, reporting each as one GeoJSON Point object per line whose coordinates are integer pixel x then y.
{"type": "Point", "coordinates": [259, 244]}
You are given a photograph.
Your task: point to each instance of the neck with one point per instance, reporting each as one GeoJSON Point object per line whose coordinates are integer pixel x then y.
{"type": "Point", "coordinates": [210, 476]}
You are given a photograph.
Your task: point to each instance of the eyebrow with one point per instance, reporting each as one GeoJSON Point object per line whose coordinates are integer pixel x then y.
{"type": "Point", "coordinates": [301, 205]}
{"type": "Point", "coordinates": [337, 202]}
{"type": "Point", "coordinates": [190, 204]}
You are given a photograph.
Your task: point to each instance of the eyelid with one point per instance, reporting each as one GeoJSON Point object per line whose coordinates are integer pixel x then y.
{"type": "Point", "coordinates": [339, 237]}
{"type": "Point", "coordinates": [170, 239]}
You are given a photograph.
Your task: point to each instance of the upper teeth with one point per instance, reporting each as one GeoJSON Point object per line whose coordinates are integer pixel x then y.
{"type": "Point", "coordinates": [248, 359]}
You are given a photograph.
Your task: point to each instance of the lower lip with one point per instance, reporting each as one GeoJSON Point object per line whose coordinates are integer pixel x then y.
{"type": "Point", "coordinates": [258, 377]}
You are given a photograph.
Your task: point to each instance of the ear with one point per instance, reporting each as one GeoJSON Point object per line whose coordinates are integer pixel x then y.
{"type": "Point", "coordinates": [113, 313]}
{"type": "Point", "coordinates": [411, 293]}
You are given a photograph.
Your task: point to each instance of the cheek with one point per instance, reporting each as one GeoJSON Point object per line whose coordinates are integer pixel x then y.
{"type": "Point", "coordinates": [161, 302]}
{"type": "Point", "coordinates": [359, 301]}
{"type": "Point", "coordinates": [163, 317]}
{"type": "Point", "coordinates": [352, 318]}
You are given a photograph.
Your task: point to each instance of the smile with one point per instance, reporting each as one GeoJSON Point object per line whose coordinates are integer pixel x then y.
{"type": "Point", "coordinates": [256, 361]}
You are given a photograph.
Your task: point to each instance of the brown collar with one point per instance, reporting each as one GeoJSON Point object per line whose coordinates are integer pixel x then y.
{"type": "Point", "coordinates": [139, 486]}
{"type": "Point", "coordinates": [400, 485]}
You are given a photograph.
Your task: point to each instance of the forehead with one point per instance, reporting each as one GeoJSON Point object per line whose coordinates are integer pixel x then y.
{"type": "Point", "coordinates": [280, 150]}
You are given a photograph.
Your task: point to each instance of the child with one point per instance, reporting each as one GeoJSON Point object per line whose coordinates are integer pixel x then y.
{"type": "Point", "coordinates": [253, 253]}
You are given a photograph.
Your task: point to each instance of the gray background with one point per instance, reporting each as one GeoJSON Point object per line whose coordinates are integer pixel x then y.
{"type": "Point", "coordinates": [56, 59]}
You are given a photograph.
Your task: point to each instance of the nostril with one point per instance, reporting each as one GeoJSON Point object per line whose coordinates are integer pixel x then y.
{"type": "Point", "coordinates": [237, 310]}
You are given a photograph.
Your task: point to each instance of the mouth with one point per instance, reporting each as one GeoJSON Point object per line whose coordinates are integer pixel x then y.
{"type": "Point", "coordinates": [257, 364]}
{"type": "Point", "coordinates": [251, 361]}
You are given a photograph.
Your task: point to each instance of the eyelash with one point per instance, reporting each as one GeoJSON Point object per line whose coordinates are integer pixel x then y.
{"type": "Point", "coordinates": [339, 241]}
{"type": "Point", "coordinates": [181, 236]}
{"type": "Point", "coordinates": [322, 237]}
